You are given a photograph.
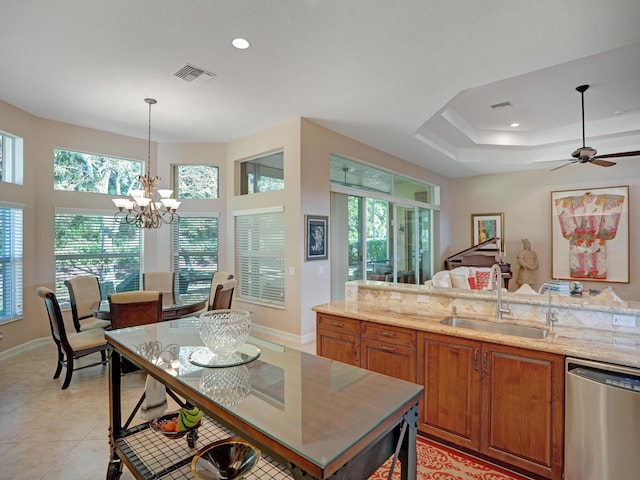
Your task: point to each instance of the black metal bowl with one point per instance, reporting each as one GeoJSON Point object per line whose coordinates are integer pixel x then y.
{"type": "Point", "coordinates": [226, 459]}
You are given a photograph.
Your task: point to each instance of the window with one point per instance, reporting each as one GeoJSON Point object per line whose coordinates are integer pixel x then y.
{"type": "Point", "coordinates": [10, 263]}
{"type": "Point", "coordinates": [10, 159]}
{"type": "Point", "coordinates": [196, 181]}
{"type": "Point", "coordinates": [96, 244]}
{"type": "Point", "coordinates": [259, 265]}
{"type": "Point", "coordinates": [262, 174]}
{"type": "Point", "coordinates": [85, 172]}
{"type": "Point", "coordinates": [195, 253]}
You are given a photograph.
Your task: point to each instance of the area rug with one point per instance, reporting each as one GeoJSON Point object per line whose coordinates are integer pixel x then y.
{"type": "Point", "coordinates": [436, 462]}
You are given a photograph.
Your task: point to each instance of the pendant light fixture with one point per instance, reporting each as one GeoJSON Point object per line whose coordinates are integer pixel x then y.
{"type": "Point", "coordinates": [144, 211]}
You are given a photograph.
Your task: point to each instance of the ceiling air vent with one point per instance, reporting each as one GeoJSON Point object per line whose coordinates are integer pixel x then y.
{"type": "Point", "coordinates": [192, 74]}
{"type": "Point", "coordinates": [501, 105]}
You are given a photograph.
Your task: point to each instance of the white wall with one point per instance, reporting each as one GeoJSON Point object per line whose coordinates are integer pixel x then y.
{"type": "Point", "coordinates": [525, 199]}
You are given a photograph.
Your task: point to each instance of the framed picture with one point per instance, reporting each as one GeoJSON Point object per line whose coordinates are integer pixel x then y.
{"type": "Point", "coordinates": [485, 226]}
{"type": "Point", "coordinates": [317, 237]}
{"type": "Point", "coordinates": [590, 234]}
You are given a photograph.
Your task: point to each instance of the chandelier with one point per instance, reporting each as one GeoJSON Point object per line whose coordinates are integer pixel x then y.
{"type": "Point", "coordinates": [144, 211]}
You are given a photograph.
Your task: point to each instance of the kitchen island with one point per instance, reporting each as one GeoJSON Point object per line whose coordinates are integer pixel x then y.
{"type": "Point", "coordinates": [496, 395]}
{"type": "Point", "coordinates": [315, 418]}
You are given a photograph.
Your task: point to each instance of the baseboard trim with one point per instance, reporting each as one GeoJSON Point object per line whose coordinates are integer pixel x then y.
{"type": "Point", "coordinates": [283, 337]}
{"type": "Point", "coordinates": [25, 347]}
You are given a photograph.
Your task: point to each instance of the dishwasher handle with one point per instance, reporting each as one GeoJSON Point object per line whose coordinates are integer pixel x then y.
{"type": "Point", "coordinates": [606, 377]}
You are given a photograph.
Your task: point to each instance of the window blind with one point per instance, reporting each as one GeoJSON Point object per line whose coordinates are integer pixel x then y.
{"type": "Point", "coordinates": [194, 252]}
{"type": "Point", "coordinates": [11, 270]}
{"type": "Point", "coordinates": [259, 260]}
{"type": "Point", "coordinates": [98, 245]}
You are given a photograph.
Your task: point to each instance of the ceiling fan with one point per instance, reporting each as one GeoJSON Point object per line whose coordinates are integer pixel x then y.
{"type": "Point", "coordinates": [586, 154]}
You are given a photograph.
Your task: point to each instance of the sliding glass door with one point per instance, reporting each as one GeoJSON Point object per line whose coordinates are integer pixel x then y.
{"type": "Point", "coordinates": [375, 239]}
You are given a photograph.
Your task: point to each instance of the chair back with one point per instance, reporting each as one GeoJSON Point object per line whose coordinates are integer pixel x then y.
{"type": "Point", "coordinates": [224, 295]}
{"type": "Point", "coordinates": [162, 282]}
{"type": "Point", "coordinates": [132, 309]}
{"type": "Point", "coordinates": [56, 321]}
{"type": "Point", "coordinates": [84, 293]}
{"type": "Point", "coordinates": [216, 280]}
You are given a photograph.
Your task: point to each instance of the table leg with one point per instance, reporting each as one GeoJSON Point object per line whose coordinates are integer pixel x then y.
{"type": "Point", "coordinates": [408, 454]}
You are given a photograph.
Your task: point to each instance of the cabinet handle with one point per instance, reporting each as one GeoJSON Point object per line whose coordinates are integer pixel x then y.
{"type": "Point", "coordinates": [484, 363]}
{"type": "Point", "coordinates": [387, 334]}
{"type": "Point", "coordinates": [387, 349]}
{"type": "Point", "coordinates": [475, 359]}
{"type": "Point", "coordinates": [336, 324]}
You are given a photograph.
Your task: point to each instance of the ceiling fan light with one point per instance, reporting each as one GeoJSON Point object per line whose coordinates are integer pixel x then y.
{"type": "Point", "coordinates": [584, 152]}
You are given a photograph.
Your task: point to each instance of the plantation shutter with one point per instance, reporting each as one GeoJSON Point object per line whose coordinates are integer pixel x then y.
{"type": "Point", "coordinates": [11, 269]}
{"type": "Point", "coordinates": [98, 245]}
{"type": "Point", "coordinates": [259, 261]}
{"type": "Point", "coordinates": [194, 252]}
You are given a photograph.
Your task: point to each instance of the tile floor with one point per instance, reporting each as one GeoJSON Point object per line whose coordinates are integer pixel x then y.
{"type": "Point", "coordinates": [50, 434]}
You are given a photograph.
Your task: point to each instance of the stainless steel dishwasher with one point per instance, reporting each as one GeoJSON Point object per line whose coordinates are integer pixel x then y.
{"type": "Point", "coordinates": [602, 421]}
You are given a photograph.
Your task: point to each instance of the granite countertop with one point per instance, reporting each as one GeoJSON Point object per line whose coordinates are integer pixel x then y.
{"type": "Point", "coordinates": [592, 344]}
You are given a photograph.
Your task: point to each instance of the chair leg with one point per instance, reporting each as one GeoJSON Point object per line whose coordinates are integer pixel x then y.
{"type": "Point", "coordinates": [60, 361]}
{"type": "Point", "coordinates": [67, 377]}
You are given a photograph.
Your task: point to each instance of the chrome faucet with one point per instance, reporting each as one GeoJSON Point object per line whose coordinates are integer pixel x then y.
{"type": "Point", "coordinates": [551, 317]}
{"type": "Point", "coordinates": [495, 281]}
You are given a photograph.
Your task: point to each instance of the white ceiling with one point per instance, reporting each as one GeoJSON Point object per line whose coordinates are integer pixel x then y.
{"type": "Point", "coordinates": [414, 78]}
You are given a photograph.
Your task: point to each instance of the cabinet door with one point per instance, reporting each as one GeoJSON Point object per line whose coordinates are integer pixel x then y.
{"type": "Point", "coordinates": [522, 417]}
{"type": "Point", "coordinates": [389, 359]}
{"type": "Point", "coordinates": [448, 367]}
{"type": "Point", "coordinates": [338, 338]}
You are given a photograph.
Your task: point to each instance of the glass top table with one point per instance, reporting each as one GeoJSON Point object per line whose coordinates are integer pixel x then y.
{"type": "Point", "coordinates": [186, 304]}
{"type": "Point", "coordinates": [312, 414]}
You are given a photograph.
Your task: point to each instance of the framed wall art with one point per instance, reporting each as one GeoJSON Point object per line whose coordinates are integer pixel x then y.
{"type": "Point", "coordinates": [590, 234]}
{"type": "Point", "coordinates": [485, 226]}
{"type": "Point", "coordinates": [316, 237]}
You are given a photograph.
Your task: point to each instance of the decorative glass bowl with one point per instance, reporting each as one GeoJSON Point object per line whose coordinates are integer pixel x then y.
{"type": "Point", "coordinates": [224, 331]}
{"type": "Point", "coordinates": [226, 459]}
{"type": "Point", "coordinates": [227, 386]}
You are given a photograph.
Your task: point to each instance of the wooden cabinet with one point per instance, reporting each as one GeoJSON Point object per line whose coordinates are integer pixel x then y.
{"type": "Point", "coordinates": [389, 350]}
{"type": "Point", "coordinates": [503, 402]}
{"type": "Point", "coordinates": [338, 338]}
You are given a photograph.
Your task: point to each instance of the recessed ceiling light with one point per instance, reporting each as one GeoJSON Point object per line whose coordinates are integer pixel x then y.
{"type": "Point", "coordinates": [514, 125]}
{"type": "Point", "coordinates": [240, 43]}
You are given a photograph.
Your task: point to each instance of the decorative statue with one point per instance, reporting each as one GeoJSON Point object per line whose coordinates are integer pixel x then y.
{"type": "Point", "coordinates": [528, 261]}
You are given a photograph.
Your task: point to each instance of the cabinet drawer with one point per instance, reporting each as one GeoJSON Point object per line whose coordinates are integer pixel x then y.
{"type": "Point", "coordinates": [389, 334]}
{"type": "Point", "coordinates": [338, 324]}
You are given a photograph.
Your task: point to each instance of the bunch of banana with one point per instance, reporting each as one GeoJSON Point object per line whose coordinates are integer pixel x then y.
{"type": "Point", "coordinates": [188, 418]}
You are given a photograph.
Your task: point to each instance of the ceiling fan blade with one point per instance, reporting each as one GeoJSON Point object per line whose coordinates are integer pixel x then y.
{"type": "Point", "coordinates": [573, 161]}
{"type": "Point", "coordinates": [602, 163]}
{"type": "Point", "coordinates": [634, 153]}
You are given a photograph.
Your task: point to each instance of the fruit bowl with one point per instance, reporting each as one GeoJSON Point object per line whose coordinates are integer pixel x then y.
{"type": "Point", "coordinates": [226, 459]}
{"type": "Point", "coordinates": [159, 423]}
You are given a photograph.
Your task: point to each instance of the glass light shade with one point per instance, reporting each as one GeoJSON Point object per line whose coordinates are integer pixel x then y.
{"type": "Point", "coordinates": [168, 202]}
{"type": "Point", "coordinates": [137, 194]}
{"type": "Point", "coordinates": [224, 331]}
{"type": "Point", "coordinates": [129, 205]}
{"type": "Point", "coordinates": [120, 202]}
{"type": "Point", "coordinates": [143, 201]}
{"type": "Point", "coordinates": [164, 193]}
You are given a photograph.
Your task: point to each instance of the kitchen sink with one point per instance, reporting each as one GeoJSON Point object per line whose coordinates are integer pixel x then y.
{"type": "Point", "coordinates": [495, 327]}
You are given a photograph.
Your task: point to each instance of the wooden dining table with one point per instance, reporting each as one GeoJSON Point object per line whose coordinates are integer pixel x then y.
{"type": "Point", "coordinates": [184, 304]}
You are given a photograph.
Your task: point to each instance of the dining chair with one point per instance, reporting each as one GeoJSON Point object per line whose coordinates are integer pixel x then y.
{"type": "Point", "coordinates": [223, 295]}
{"type": "Point", "coordinates": [162, 282]}
{"type": "Point", "coordinates": [216, 280]}
{"type": "Point", "coordinates": [84, 293]}
{"type": "Point", "coordinates": [74, 345]}
{"type": "Point", "coordinates": [132, 309]}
